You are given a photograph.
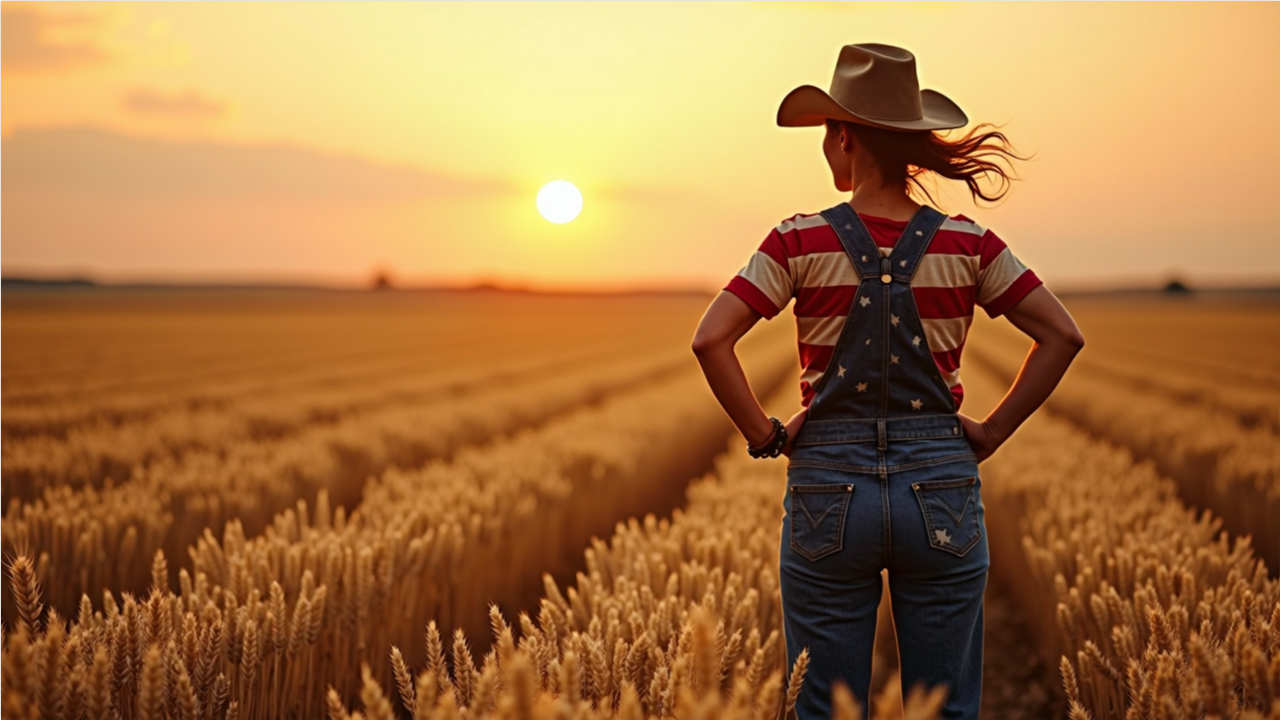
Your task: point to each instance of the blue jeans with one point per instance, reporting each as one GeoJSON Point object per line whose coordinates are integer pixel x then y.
{"type": "Point", "coordinates": [913, 507]}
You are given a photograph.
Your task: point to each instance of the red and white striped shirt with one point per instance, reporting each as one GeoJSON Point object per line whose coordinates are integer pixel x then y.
{"type": "Point", "coordinates": [802, 258]}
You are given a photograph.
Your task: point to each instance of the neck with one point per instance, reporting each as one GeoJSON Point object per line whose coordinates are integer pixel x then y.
{"type": "Point", "coordinates": [882, 201]}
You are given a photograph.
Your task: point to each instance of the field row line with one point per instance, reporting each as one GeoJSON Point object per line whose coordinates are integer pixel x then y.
{"type": "Point", "coordinates": [242, 364]}
{"type": "Point", "coordinates": [89, 455]}
{"type": "Point", "coordinates": [1217, 462]}
{"type": "Point", "coordinates": [1229, 374]}
{"type": "Point", "coordinates": [1151, 609]}
{"type": "Point", "coordinates": [283, 614]}
{"type": "Point", "coordinates": [258, 379]}
{"type": "Point", "coordinates": [245, 381]}
{"type": "Point", "coordinates": [1251, 408]}
{"type": "Point", "coordinates": [246, 352]}
{"type": "Point", "coordinates": [91, 539]}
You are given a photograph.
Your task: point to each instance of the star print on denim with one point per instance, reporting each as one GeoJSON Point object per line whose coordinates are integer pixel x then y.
{"type": "Point", "coordinates": [917, 404]}
{"type": "Point", "coordinates": [840, 373]}
{"type": "Point", "coordinates": [861, 387]}
{"type": "Point", "coordinates": [943, 536]}
{"type": "Point", "coordinates": [865, 301]}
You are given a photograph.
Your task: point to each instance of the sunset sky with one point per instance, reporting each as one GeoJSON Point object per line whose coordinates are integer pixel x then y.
{"type": "Point", "coordinates": [321, 142]}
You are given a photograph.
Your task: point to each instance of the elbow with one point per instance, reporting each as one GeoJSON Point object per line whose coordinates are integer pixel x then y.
{"type": "Point", "coordinates": [705, 343]}
{"type": "Point", "coordinates": [702, 345]}
{"type": "Point", "coordinates": [1073, 339]}
{"type": "Point", "coordinates": [1065, 340]}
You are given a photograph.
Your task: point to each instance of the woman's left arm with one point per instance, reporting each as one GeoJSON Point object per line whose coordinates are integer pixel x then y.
{"type": "Point", "coordinates": [726, 320]}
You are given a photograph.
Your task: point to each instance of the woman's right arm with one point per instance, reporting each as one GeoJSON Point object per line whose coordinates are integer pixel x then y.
{"type": "Point", "coordinates": [1057, 341]}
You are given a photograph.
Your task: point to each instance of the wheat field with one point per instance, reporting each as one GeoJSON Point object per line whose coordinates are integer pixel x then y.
{"type": "Point", "coordinates": [302, 504]}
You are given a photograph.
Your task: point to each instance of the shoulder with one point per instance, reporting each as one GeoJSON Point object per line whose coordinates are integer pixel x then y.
{"type": "Point", "coordinates": [969, 237]}
{"type": "Point", "coordinates": [802, 234]}
{"type": "Point", "coordinates": [799, 222]}
{"type": "Point", "coordinates": [961, 224]}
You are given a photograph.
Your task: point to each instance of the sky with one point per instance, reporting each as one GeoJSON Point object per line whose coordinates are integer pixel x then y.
{"type": "Point", "coordinates": [327, 142]}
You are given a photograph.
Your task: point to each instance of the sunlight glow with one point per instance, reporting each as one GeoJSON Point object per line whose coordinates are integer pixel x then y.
{"type": "Point", "coordinates": [559, 201]}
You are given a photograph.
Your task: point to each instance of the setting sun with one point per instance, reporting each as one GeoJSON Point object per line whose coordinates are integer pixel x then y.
{"type": "Point", "coordinates": [559, 201]}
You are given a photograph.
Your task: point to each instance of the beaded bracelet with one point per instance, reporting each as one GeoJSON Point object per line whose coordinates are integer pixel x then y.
{"type": "Point", "coordinates": [774, 448]}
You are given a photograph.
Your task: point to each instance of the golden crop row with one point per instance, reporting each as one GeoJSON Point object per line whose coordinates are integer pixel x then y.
{"type": "Point", "coordinates": [1206, 351]}
{"type": "Point", "coordinates": [282, 614]}
{"type": "Point", "coordinates": [276, 387]}
{"type": "Point", "coordinates": [677, 617]}
{"type": "Point", "coordinates": [1154, 613]}
{"type": "Point", "coordinates": [1217, 462]}
{"type": "Point", "coordinates": [1229, 339]}
{"type": "Point", "coordinates": [96, 539]}
{"type": "Point", "coordinates": [118, 354]}
{"type": "Point", "coordinates": [110, 443]}
{"type": "Point", "coordinates": [1217, 392]}
{"type": "Point", "coordinates": [197, 443]}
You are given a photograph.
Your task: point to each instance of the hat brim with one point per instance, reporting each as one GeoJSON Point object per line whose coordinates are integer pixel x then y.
{"type": "Point", "coordinates": [808, 105]}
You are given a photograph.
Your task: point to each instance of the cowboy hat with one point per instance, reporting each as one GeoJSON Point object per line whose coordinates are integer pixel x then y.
{"type": "Point", "coordinates": [874, 85]}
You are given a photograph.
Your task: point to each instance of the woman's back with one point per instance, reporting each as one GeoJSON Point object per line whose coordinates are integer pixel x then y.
{"type": "Point", "coordinates": [882, 469]}
{"type": "Point", "coordinates": [802, 258]}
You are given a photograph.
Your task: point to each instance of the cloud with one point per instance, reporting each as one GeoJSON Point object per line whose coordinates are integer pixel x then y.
{"type": "Point", "coordinates": [98, 161]}
{"type": "Point", "coordinates": [189, 104]}
{"type": "Point", "coordinates": [25, 45]}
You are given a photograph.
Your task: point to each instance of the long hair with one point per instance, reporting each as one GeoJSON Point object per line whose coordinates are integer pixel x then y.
{"type": "Point", "coordinates": [903, 157]}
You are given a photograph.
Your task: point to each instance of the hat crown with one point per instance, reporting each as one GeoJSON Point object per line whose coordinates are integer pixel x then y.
{"type": "Point", "coordinates": [874, 84]}
{"type": "Point", "coordinates": [877, 81]}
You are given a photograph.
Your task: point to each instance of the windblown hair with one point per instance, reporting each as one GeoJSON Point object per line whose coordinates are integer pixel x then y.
{"type": "Point", "coordinates": [903, 157]}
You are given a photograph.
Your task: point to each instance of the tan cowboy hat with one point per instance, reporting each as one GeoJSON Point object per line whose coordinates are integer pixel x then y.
{"type": "Point", "coordinates": [874, 85]}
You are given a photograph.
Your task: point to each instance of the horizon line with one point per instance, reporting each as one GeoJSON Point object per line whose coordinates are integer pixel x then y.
{"type": "Point", "coordinates": [16, 282]}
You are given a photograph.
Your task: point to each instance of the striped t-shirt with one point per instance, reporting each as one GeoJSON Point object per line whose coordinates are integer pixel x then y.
{"type": "Point", "coordinates": [802, 258]}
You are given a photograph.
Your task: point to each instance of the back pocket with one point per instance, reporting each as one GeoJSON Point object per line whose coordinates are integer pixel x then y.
{"type": "Point", "coordinates": [950, 510]}
{"type": "Point", "coordinates": [817, 518]}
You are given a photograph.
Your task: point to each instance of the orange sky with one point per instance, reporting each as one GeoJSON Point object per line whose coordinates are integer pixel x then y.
{"type": "Point", "coordinates": [317, 142]}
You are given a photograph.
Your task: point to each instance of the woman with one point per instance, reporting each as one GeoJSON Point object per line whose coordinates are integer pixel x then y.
{"type": "Point", "coordinates": [883, 469]}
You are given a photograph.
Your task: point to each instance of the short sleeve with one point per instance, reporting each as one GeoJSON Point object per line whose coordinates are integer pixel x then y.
{"type": "Point", "coordinates": [1003, 279]}
{"type": "Point", "coordinates": [765, 282]}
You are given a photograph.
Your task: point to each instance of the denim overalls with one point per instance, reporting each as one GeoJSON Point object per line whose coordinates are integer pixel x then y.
{"type": "Point", "coordinates": [882, 476]}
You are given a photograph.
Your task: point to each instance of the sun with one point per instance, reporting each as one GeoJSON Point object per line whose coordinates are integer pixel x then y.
{"type": "Point", "coordinates": [559, 201]}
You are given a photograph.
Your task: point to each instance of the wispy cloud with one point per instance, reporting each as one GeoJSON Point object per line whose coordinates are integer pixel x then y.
{"type": "Point", "coordinates": [190, 104]}
{"type": "Point", "coordinates": [26, 44]}
{"type": "Point", "coordinates": [102, 162]}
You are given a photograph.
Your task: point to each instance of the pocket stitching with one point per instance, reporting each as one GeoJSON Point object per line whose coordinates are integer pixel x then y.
{"type": "Point", "coordinates": [928, 515]}
{"type": "Point", "coordinates": [951, 511]}
{"type": "Point", "coordinates": [812, 522]}
{"type": "Point", "coordinates": [846, 490]}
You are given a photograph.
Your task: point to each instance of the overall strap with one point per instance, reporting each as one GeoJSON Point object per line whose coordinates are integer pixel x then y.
{"type": "Point", "coordinates": [862, 250]}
